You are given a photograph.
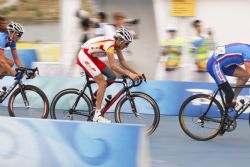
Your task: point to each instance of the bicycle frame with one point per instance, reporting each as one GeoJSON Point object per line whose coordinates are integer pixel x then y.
{"type": "Point", "coordinates": [10, 89]}
{"type": "Point", "coordinates": [238, 112]}
{"type": "Point", "coordinates": [126, 88]}
{"type": "Point", "coordinates": [244, 106]}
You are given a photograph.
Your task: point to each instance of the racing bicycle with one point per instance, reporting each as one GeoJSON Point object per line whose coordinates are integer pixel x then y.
{"type": "Point", "coordinates": [132, 107]}
{"type": "Point", "coordinates": [26, 100]}
{"type": "Point", "coordinates": [203, 117]}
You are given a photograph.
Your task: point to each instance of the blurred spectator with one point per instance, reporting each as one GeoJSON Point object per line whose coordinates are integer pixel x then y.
{"type": "Point", "coordinates": [87, 25]}
{"type": "Point", "coordinates": [201, 45]}
{"type": "Point", "coordinates": [3, 24]}
{"type": "Point", "coordinates": [172, 49]}
{"type": "Point", "coordinates": [102, 27]}
{"type": "Point", "coordinates": [119, 20]}
{"type": "Point", "coordinates": [88, 31]}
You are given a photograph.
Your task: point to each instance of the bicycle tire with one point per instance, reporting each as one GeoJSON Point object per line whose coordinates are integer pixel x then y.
{"type": "Point", "coordinates": [249, 119]}
{"type": "Point", "coordinates": [142, 101]}
{"type": "Point", "coordinates": [193, 107]}
{"type": "Point", "coordinates": [35, 97]}
{"type": "Point", "coordinates": [61, 106]}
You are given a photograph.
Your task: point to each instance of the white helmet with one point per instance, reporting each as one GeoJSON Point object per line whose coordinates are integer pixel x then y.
{"type": "Point", "coordinates": [15, 27]}
{"type": "Point", "coordinates": [124, 34]}
{"type": "Point", "coordinates": [172, 28]}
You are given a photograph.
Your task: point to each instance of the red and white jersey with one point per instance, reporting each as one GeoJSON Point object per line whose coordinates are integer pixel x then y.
{"type": "Point", "coordinates": [99, 46]}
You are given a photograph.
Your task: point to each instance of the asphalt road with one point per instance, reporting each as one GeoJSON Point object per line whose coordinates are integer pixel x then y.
{"type": "Point", "coordinates": [170, 147]}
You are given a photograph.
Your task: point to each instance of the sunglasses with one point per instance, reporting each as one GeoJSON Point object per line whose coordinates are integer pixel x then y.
{"type": "Point", "coordinates": [126, 43]}
{"type": "Point", "coordinates": [19, 34]}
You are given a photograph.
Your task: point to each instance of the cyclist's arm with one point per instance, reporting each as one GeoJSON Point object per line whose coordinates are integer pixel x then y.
{"type": "Point", "coordinates": [124, 63]}
{"type": "Point", "coordinates": [4, 63]}
{"type": "Point", "coordinates": [114, 66]}
{"type": "Point", "coordinates": [16, 58]}
{"type": "Point", "coordinates": [247, 67]}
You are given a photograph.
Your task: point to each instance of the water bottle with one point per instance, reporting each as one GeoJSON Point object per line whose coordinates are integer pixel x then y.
{"type": "Point", "coordinates": [108, 99]}
{"type": "Point", "coordinates": [3, 91]}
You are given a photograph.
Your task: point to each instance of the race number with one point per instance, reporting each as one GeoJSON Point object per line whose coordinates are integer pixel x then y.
{"type": "Point", "coordinates": [220, 50]}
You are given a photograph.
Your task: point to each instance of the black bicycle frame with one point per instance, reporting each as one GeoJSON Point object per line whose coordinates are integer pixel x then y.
{"type": "Point", "coordinates": [10, 89]}
{"type": "Point", "coordinates": [244, 106]}
{"type": "Point", "coordinates": [113, 100]}
{"type": "Point", "coordinates": [239, 112]}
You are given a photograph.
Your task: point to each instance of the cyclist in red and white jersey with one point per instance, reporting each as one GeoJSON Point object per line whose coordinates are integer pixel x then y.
{"type": "Point", "coordinates": [88, 59]}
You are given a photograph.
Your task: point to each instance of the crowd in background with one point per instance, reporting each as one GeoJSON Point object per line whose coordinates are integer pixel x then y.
{"type": "Point", "coordinates": [199, 47]}
{"type": "Point", "coordinates": [171, 50]}
{"type": "Point", "coordinates": [99, 26]}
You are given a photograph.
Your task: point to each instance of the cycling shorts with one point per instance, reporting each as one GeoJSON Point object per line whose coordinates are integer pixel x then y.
{"type": "Point", "coordinates": [93, 66]}
{"type": "Point", "coordinates": [218, 72]}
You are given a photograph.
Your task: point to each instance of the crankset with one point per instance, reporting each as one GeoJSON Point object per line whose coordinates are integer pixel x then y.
{"type": "Point", "coordinates": [230, 124]}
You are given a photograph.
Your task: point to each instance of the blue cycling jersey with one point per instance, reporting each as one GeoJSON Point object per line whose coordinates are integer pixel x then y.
{"type": "Point", "coordinates": [5, 42]}
{"type": "Point", "coordinates": [225, 60]}
{"type": "Point", "coordinates": [232, 54]}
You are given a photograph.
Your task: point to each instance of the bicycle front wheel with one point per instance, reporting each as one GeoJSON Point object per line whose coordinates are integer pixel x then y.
{"type": "Point", "coordinates": [70, 105]}
{"type": "Point", "coordinates": [30, 103]}
{"type": "Point", "coordinates": [138, 108]}
{"type": "Point", "coordinates": [201, 117]}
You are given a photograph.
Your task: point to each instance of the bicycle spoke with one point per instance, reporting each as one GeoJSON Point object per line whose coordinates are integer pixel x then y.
{"type": "Point", "coordinates": [66, 107]}
{"type": "Point", "coordinates": [198, 120]}
{"type": "Point", "coordinates": [32, 106]}
{"type": "Point", "coordinates": [142, 112]}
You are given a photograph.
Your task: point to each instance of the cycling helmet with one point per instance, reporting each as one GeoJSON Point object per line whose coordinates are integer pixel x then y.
{"type": "Point", "coordinates": [15, 27]}
{"type": "Point", "coordinates": [124, 34]}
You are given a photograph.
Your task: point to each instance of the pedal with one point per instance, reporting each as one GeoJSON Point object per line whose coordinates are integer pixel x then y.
{"type": "Point", "coordinates": [222, 131]}
{"type": "Point", "coordinates": [231, 125]}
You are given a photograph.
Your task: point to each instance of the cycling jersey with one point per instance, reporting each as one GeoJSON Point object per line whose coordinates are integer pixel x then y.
{"type": "Point", "coordinates": [99, 46]}
{"type": "Point", "coordinates": [5, 41]}
{"type": "Point", "coordinates": [91, 50]}
{"type": "Point", "coordinates": [226, 58]}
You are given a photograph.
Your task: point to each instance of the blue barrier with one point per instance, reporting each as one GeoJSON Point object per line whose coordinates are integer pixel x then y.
{"type": "Point", "coordinates": [168, 94]}
{"type": "Point", "coordinates": [50, 143]}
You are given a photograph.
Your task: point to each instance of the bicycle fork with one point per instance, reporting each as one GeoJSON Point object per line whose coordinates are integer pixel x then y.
{"type": "Point", "coordinates": [25, 99]}
{"type": "Point", "coordinates": [133, 107]}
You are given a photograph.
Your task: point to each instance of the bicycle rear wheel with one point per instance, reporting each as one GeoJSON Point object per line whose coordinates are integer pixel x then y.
{"type": "Point", "coordinates": [139, 108]}
{"type": "Point", "coordinates": [32, 103]}
{"type": "Point", "coordinates": [70, 105]}
{"type": "Point", "coordinates": [193, 120]}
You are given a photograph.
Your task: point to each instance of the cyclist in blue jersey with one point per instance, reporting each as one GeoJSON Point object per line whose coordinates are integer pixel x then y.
{"type": "Point", "coordinates": [226, 60]}
{"type": "Point", "coordinates": [9, 39]}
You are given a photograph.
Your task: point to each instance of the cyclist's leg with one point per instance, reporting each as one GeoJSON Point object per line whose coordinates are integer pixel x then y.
{"type": "Point", "coordinates": [242, 78]}
{"type": "Point", "coordinates": [229, 94]}
{"type": "Point", "coordinates": [102, 85]}
{"type": "Point", "coordinates": [9, 62]}
{"type": "Point", "coordinates": [111, 76]}
{"type": "Point", "coordinates": [218, 73]}
{"type": "Point", "coordinates": [93, 66]}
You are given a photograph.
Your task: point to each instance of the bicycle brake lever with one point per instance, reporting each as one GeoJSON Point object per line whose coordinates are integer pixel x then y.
{"type": "Point", "coordinates": [36, 71]}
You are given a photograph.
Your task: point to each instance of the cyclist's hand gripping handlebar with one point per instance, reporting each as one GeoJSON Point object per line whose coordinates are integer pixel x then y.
{"type": "Point", "coordinates": [29, 72]}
